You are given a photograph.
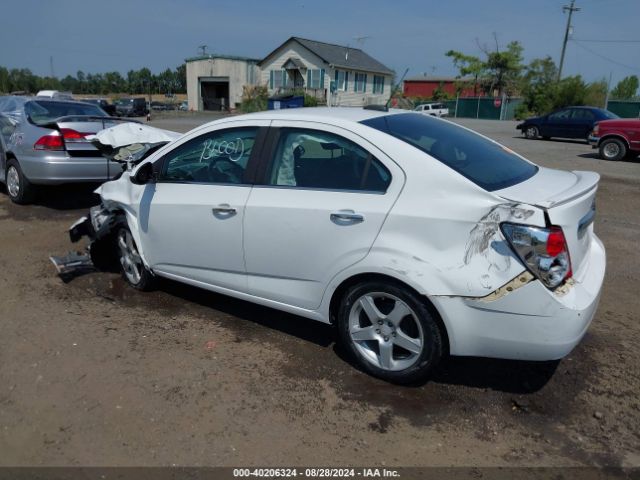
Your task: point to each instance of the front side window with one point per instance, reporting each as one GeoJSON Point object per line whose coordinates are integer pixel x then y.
{"type": "Point", "coordinates": [216, 157]}
{"type": "Point", "coordinates": [378, 84]}
{"type": "Point", "coordinates": [316, 159]}
{"type": "Point", "coordinates": [582, 114]}
{"type": "Point", "coordinates": [486, 163]}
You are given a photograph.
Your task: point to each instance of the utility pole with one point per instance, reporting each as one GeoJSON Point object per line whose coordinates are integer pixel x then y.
{"type": "Point", "coordinates": [571, 8]}
{"type": "Point", "coordinates": [203, 50]}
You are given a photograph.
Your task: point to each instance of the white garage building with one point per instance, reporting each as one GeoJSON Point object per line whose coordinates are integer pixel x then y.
{"type": "Point", "coordinates": [334, 74]}
{"type": "Point", "coordinates": [214, 82]}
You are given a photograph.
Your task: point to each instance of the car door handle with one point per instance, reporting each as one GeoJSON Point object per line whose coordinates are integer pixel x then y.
{"type": "Point", "coordinates": [344, 216]}
{"type": "Point", "coordinates": [224, 208]}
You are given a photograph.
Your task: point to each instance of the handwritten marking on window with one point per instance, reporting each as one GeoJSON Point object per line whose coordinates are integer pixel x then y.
{"type": "Point", "coordinates": [234, 149]}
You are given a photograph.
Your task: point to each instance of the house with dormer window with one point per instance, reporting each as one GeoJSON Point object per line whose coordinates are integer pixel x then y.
{"type": "Point", "coordinates": [334, 74]}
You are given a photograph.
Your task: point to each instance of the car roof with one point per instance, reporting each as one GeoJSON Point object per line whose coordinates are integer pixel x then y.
{"type": "Point", "coordinates": [340, 114]}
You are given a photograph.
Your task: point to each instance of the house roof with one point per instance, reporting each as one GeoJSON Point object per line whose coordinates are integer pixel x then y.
{"type": "Point", "coordinates": [338, 56]}
{"type": "Point", "coordinates": [219, 55]}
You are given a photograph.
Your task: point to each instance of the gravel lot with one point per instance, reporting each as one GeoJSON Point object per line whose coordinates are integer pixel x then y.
{"type": "Point", "coordinates": [95, 373]}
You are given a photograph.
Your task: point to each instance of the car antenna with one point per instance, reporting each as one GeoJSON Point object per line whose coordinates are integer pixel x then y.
{"type": "Point", "coordinates": [396, 88]}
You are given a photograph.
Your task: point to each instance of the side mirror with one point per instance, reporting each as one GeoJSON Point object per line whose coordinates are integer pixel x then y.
{"type": "Point", "coordinates": [144, 175]}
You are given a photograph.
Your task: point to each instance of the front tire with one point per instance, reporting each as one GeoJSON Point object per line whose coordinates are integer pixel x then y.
{"type": "Point", "coordinates": [19, 189]}
{"type": "Point", "coordinates": [389, 332]}
{"type": "Point", "coordinates": [134, 271]}
{"type": "Point", "coordinates": [531, 132]}
{"type": "Point", "coordinates": [612, 149]}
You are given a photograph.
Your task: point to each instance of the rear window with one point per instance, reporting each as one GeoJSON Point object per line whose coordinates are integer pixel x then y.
{"type": "Point", "coordinates": [485, 163]}
{"type": "Point", "coordinates": [42, 112]}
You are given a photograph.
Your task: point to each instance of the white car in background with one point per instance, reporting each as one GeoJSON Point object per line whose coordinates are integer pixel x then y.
{"type": "Point", "coordinates": [433, 109]}
{"type": "Point", "coordinates": [414, 236]}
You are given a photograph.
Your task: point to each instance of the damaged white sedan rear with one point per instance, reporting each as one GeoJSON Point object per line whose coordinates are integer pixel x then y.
{"type": "Point", "coordinates": [414, 236]}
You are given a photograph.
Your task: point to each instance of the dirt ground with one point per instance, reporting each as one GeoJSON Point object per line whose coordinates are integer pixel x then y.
{"type": "Point", "coordinates": [95, 373]}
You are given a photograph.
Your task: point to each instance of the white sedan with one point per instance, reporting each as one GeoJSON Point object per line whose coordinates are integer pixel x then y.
{"type": "Point", "coordinates": [414, 236]}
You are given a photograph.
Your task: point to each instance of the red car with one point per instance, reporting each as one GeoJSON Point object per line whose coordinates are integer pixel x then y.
{"type": "Point", "coordinates": [616, 139]}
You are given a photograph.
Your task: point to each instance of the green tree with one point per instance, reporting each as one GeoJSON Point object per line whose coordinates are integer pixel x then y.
{"type": "Point", "coordinates": [468, 65]}
{"type": "Point", "coordinates": [596, 93]}
{"type": "Point", "coordinates": [538, 86]}
{"type": "Point", "coordinates": [626, 89]}
{"type": "Point", "coordinates": [503, 69]}
{"type": "Point", "coordinates": [570, 91]}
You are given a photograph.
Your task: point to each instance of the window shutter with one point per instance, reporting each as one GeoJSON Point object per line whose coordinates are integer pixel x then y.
{"type": "Point", "coordinates": [271, 79]}
{"type": "Point", "coordinates": [322, 78]}
{"type": "Point", "coordinates": [308, 78]}
{"type": "Point", "coordinates": [382, 85]}
{"type": "Point", "coordinates": [355, 82]}
{"type": "Point", "coordinates": [364, 88]}
{"type": "Point", "coordinates": [285, 77]}
{"type": "Point", "coordinates": [346, 81]}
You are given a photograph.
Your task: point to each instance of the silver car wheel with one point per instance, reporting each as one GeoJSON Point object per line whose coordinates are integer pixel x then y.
{"type": "Point", "coordinates": [611, 150]}
{"type": "Point", "coordinates": [531, 132]}
{"type": "Point", "coordinates": [13, 181]}
{"type": "Point", "coordinates": [391, 341]}
{"type": "Point", "coordinates": [129, 257]}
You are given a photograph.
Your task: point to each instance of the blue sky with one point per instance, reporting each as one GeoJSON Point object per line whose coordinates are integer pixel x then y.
{"type": "Point", "coordinates": [99, 36]}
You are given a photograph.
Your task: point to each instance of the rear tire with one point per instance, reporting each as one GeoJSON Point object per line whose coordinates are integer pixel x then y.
{"type": "Point", "coordinates": [134, 271]}
{"type": "Point", "coordinates": [19, 189]}
{"type": "Point", "coordinates": [389, 332]}
{"type": "Point", "coordinates": [531, 132]}
{"type": "Point", "coordinates": [612, 149]}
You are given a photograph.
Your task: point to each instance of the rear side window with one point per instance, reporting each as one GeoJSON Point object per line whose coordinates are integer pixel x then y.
{"type": "Point", "coordinates": [485, 163]}
{"type": "Point", "coordinates": [315, 159]}
{"type": "Point", "coordinates": [41, 112]}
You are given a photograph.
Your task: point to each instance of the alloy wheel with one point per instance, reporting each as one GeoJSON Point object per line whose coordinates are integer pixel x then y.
{"type": "Point", "coordinates": [13, 181]}
{"type": "Point", "coordinates": [129, 257]}
{"type": "Point", "coordinates": [386, 331]}
{"type": "Point", "coordinates": [611, 150]}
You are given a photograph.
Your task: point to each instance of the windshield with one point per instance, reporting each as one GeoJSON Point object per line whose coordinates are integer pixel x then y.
{"type": "Point", "coordinates": [486, 163]}
{"type": "Point", "coordinates": [42, 112]}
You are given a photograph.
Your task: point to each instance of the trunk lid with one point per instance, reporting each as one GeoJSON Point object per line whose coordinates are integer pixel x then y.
{"type": "Point", "coordinates": [569, 201]}
{"type": "Point", "coordinates": [78, 145]}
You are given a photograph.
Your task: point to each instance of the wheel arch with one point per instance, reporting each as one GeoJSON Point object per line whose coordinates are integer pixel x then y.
{"type": "Point", "coordinates": [617, 136]}
{"type": "Point", "coordinates": [339, 292]}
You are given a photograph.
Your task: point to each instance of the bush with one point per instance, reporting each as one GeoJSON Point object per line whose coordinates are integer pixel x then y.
{"type": "Point", "coordinates": [254, 98]}
{"type": "Point", "coordinates": [521, 112]}
{"type": "Point", "coordinates": [310, 101]}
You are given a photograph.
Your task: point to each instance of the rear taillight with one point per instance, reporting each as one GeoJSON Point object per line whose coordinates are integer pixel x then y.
{"type": "Point", "coordinates": [544, 251]}
{"type": "Point", "coordinates": [72, 136]}
{"type": "Point", "coordinates": [57, 140]}
{"type": "Point", "coordinates": [53, 141]}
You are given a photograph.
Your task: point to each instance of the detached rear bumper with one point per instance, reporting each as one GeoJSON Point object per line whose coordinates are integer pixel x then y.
{"type": "Point", "coordinates": [530, 323]}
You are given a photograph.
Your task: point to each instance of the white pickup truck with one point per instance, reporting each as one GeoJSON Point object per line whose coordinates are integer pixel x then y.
{"type": "Point", "coordinates": [433, 109]}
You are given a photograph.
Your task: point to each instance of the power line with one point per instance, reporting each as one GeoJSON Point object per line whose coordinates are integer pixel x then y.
{"type": "Point", "coordinates": [578, 42]}
{"type": "Point", "coordinates": [605, 41]}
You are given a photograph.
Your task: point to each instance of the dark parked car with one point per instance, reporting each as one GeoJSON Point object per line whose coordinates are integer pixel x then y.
{"type": "Point", "coordinates": [131, 107]}
{"type": "Point", "coordinates": [103, 104]}
{"type": "Point", "coordinates": [570, 122]}
{"type": "Point", "coordinates": [616, 139]}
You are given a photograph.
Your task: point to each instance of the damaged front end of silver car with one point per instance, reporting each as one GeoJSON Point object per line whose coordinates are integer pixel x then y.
{"type": "Point", "coordinates": [127, 144]}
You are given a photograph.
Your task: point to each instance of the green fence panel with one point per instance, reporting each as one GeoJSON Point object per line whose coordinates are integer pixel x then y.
{"type": "Point", "coordinates": [624, 109]}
